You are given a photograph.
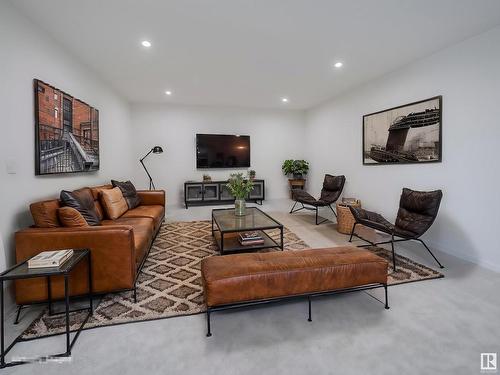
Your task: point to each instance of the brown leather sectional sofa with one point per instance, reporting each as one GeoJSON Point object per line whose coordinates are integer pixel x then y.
{"type": "Point", "coordinates": [118, 247]}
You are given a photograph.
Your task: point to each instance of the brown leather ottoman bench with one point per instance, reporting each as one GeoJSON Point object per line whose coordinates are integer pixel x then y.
{"type": "Point", "coordinates": [239, 280]}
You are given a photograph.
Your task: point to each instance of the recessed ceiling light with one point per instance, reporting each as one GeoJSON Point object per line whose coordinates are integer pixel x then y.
{"type": "Point", "coordinates": [338, 64]}
{"type": "Point", "coordinates": [146, 43]}
{"type": "Point", "coordinates": [284, 100]}
{"type": "Point", "coordinates": [168, 92]}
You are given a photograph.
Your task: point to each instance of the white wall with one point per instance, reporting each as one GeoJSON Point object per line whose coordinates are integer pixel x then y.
{"type": "Point", "coordinates": [275, 135]}
{"type": "Point", "coordinates": [468, 77]}
{"type": "Point", "coordinates": [27, 53]}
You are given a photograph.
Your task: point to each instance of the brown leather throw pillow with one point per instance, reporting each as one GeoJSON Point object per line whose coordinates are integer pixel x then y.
{"type": "Point", "coordinates": [45, 213]}
{"type": "Point", "coordinates": [113, 202]}
{"type": "Point", "coordinates": [129, 193]}
{"type": "Point", "coordinates": [82, 201]}
{"type": "Point", "coordinates": [69, 217]}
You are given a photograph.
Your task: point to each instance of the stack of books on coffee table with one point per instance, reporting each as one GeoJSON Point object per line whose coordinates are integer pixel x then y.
{"type": "Point", "coordinates": [250, 238]}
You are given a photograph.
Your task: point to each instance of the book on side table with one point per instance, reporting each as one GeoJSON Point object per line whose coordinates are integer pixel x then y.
{"type": "Point", "coordinates": [50, 258]}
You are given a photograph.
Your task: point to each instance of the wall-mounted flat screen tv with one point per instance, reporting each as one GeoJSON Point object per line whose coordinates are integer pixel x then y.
{"type": "Point", "coordinates": [222, 151]}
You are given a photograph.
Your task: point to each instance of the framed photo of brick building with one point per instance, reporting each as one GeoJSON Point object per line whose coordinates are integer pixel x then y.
{"type": "Point", "coordinates": [407, 134]}
{"type": "Point", "coordinates": [66, 132]}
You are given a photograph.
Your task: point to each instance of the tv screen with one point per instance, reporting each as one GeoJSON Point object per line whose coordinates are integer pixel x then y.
{"type": "Point", "coordinates": [222, 151]}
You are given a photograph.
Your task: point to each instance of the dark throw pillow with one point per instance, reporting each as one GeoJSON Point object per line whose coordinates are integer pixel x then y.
{"type": "Point", "coordinates": [82, 201]}
{"type": "Point", "coordinates": [129, 193]}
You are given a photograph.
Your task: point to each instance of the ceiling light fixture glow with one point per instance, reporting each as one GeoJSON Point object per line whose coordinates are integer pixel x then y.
{"type": "Point", "coordinates": [146, 43]}
{"type": "Point", "coordinates": [284, 100]}
{"type": "Point", "coordinates": [168, 92]}
{"type": "Point", "coordinates": [338, 64]}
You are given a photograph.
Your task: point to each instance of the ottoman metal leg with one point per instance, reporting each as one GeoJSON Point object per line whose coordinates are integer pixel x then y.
{"type": "Point", "coordinates": [209, 333]}
{"type": "Point", "coordinates": [309, 303]}
{"type": "Point", "coordinates": [386, 299]}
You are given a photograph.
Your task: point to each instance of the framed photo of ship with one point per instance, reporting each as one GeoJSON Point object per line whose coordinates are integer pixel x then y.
{"type": "Point", "coordinates": [407, 134]}
{"type": "Point", "coordinates": [66, 132]}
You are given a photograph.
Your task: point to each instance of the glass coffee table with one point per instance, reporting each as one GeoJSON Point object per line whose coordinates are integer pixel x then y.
{"type": "Point", "coordinates": [226, 227]}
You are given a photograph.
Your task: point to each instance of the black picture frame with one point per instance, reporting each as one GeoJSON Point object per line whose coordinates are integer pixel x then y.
{"type": "Point", "coordinates": [397, 149]}
{"type": "Point", "coordinates": [64, 143]}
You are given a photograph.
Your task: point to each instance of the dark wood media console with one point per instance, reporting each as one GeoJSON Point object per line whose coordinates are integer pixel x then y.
{"type": "Point", "coordinates": [216, 192]}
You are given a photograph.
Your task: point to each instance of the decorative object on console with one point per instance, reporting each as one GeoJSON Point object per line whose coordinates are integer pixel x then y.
{"type": "Point", "coordinates": [410, 133]}
{"type": "Point", "coordinates": [66, 132]}
{"type": "Point", "coordinates": [129, 193]}
{"type": "Point", "coordinates": [332, 188]}
{"type": "Point", "coordinates": [154, 150]}
{"type": "Point", "coordinates": [417, 211]}
{"type": "Point", "coordinates": [345, 219]}
{"type": "Point", "coordinates": [82, 201]}
{"type": "Point", "coordinates": [240, 188]}
{"type": "Point", "coordinates": [207, 178]}
{"type": "Point", "coordinates": [251, 174]}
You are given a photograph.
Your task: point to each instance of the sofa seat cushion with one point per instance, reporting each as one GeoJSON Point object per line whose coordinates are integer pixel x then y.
{"type": "Point", "coordinates": [259, 276]}
{"type": "Point", "coordinates": [143, 234]}
{"type": "Point", "coordinates": [155, 212]}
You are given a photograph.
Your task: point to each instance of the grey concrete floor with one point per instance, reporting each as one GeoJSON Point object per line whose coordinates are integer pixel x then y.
{"type": "Point", "coordinates": [433, 327]}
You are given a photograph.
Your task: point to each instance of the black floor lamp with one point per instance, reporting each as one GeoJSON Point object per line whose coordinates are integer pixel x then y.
{"type": "Point", "coordinates": [154, 150]}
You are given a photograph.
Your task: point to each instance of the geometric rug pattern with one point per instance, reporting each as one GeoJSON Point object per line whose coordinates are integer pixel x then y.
{"type": "Point", "coordinates": [170, 281]}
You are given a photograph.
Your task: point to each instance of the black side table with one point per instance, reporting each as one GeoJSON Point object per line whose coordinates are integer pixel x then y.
{"type": "Point", "coordinates": [21, 271]}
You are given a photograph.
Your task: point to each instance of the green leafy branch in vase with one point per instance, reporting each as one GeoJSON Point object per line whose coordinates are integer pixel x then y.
{"type": "Point", "coordinates": [239, 186]}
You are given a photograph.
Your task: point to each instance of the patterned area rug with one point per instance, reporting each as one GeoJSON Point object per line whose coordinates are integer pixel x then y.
{"type": "Point", "coordinates": [170, 281]}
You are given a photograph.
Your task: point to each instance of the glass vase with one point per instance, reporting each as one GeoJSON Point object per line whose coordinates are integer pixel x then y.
{"type": "Point", "coordinates": [239, 207]}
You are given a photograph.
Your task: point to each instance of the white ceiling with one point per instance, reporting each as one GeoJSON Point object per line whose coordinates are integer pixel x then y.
{"type": "Point", "coordinates": [250, 53]}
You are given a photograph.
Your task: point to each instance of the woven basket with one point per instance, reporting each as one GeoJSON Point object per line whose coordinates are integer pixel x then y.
{"type": "Point", "coordinates": [345, 220]}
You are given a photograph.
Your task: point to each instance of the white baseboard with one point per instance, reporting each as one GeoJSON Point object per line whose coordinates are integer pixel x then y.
{"type": "Point", "coordinates": [464, 256]}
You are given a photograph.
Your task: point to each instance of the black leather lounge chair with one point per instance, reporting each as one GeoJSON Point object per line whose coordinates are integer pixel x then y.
{"type": "Point", "coordinates": [417, 211]}
{"type": "Point", "coordinates": [332, 188]}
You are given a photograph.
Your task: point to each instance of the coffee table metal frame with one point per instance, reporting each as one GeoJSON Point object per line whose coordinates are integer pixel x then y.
{"type": "Point", "coordinates": [219, 233]}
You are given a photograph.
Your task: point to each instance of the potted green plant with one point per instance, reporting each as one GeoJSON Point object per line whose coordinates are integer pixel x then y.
{"type": "Point", "coordinates": [251, 174]}
{"type": "Point", "coordinates": [239, 187]}
{"type": "Point", "coordinates": [296, 168]}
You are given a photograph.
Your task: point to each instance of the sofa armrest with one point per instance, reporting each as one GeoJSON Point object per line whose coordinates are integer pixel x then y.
{"type": "Point", "coordinates": [152, 197]}
{"type": "Point", "coordinates": [112, 252]}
